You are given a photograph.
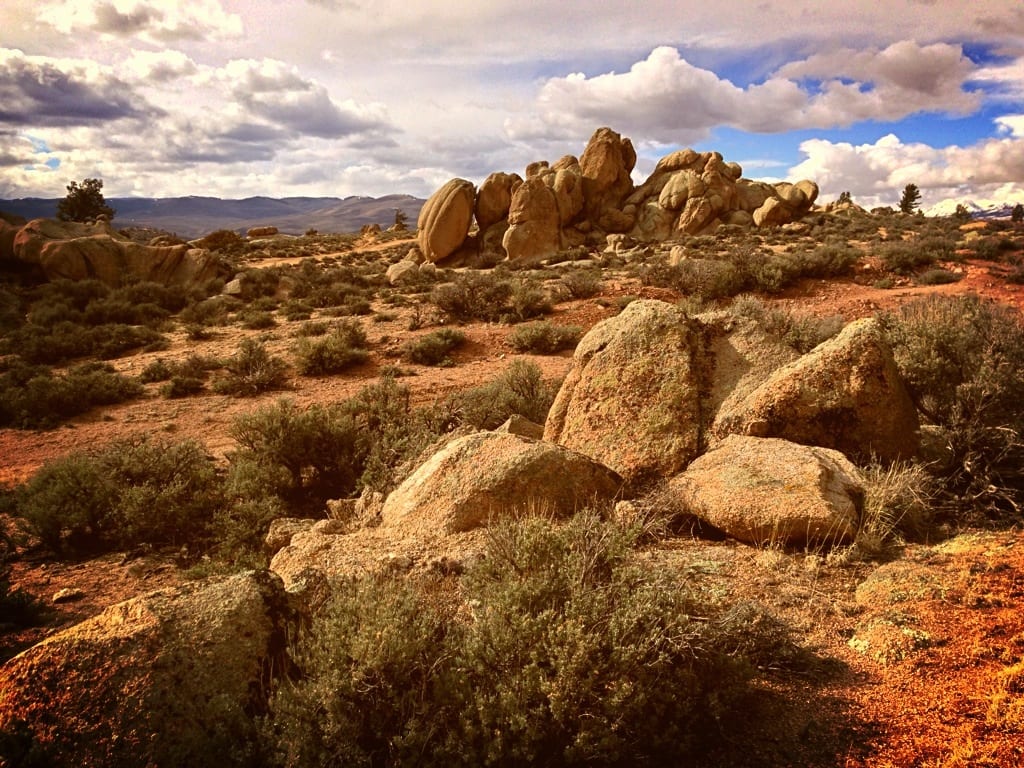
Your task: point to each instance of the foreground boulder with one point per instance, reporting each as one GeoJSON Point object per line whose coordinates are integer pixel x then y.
{"type": "Point", "coordinates": [489, 474]}
{"type": "Point", "coordinates": [844, 394]}
{"type": "Point", "coordinates": [80, 251]}
{"type": "Point", "coordinates": [169, 678]}
{"type": "Point", "coordinates": [632, 398]}
{"type": "Point", "coordinates": [769, 491]}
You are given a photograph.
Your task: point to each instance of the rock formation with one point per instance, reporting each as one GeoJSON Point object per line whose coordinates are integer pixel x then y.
{"type": "Point", "coordinates": [80, 251]}
{"type": "Point", "coordinates": [575, 201]}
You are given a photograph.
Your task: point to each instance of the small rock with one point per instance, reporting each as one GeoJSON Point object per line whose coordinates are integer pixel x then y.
{"type": "Point", "coordinates": [67, 595]}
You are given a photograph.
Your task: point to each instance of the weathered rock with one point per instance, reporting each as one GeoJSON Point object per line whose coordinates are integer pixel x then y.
{"type": "Point", "coordinates": [522, 426]}
{"type": "Point", "coordinates": [534, 221]}
{"type": "Point", "coordinates": [696, 216]}
{"type": "Point", "coordinates": [489, 474]}
{"type": "Point", "coordinates": [67, 595]}
{"type": "Point", "coordinates": [606, 164]}
{"type": "Point", "coordinates": [445, 218]}
{"type": "Point", "coordinates": [403, 272]}
{"type": "Point", "coordinates": [282, 530]}
{"type": "Point", "coordinates": [494, 198]}
{"type": "Point", "coordinates": [79, 251]}
{"type": "Point", "coordinates": [632, 397]}
{"type": "Point", "coordinates": [169, 678]}
{"type": "Point", "coordinates": [261, 232]}
{"type": "Point", "coordinates": [845, 394]}
{"type": "Point", "coordinates": [771, 491]}
{"type": "Point", "coordinates": [9, 227]}
{"type": "Point", "coordinates": [681, 186]}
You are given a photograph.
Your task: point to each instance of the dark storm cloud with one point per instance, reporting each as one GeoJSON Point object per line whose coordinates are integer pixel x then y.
{"type": "Point", "coordinates": [38, 92]}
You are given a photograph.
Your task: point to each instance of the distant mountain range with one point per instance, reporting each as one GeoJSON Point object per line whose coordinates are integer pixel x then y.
{"type": "Point", "coordinates": [948, 208]}
{"type": "Point", "coordinates": [192, 217]}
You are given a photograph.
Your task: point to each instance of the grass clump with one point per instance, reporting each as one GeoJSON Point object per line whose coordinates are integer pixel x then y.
{"type": "Point", "coordinates": [571, 650]}
{"type": "Point", "coordinates": [898, 503]}
{"type": "Point", "coordinates": [334, 352]}
{"type": "Point", "coordinates": [544, 337]}
{"type": "Point", "coordinates": [434, 348]}
{"type": "Point", "coordinates": [801, 332]}
{"type": "Point", "coordinates": [519, 389]}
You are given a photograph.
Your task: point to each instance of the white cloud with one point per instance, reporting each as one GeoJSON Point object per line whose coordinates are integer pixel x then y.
{"type": "Point", "coordinates": [874, 173]}
{"type": "Point", "coordinates": [667, 98]}
{"type": "Point", "coordinates": [148, 67]}
{"type": "Point", "coordinates": [159, 21]}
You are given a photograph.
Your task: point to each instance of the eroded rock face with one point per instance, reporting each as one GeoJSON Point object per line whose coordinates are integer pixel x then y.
{"type": "Point", "coordinates": [845, 394]}
{"type": "Point", "coordinates": [770, 491]}
{"type": "Point", "coordinates": [489, 474]}
{"type": "Point", "coordinates": [169, 678]}
{"type": "Point", "coordinates": [445, 218]}
{"type": "Point", "coordinates": [80, 251]}
{"type": "Point", "coordinates": [534, 221]}
{"type": "Point", "coordinates": [494, 198]}
{"type": "Point", "coordinates": [632, 397]}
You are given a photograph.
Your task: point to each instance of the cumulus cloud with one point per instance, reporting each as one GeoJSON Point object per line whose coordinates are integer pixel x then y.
{"type": "Point", "coordinates": [36, 90]}
{"type": "Point", "coordinates": [667, 98]}
{"type": "Point", "coordinates": [159, 66]}
{"type": "Point", "coordinates": [160, 21]}
{"type": "Point", "coordinates": [875, 172]}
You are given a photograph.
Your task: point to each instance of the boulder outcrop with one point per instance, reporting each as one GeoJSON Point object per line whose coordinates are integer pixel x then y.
{"type": "Point", "coordinates": [489, 474]}
{"type": "Point", "coordinates": [169, 678]}
{"type": "Point", "coordinates": [575, 201]}
{"type": "Point", "coordinates": [80, 251]}
{"type": "Point", "coordinates": [845, 394]}
{"type": "Point", "coordinates": [770, 491]}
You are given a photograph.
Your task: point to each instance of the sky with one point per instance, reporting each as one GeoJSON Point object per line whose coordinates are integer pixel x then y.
{"type": "Point", "coordinates": [237, 98]}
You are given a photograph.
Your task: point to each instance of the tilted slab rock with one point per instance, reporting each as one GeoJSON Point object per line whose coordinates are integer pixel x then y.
{"type": "Point", "coordinates": [632, 397]}
{"type": "Point", "coordinates": [488, 474]}
{"type": "Point", "coordinates": [168, 678]}
{"type": "Point", "coordinates": [770, 491]}
{"type": "Point", "coordinates": [845, 394]}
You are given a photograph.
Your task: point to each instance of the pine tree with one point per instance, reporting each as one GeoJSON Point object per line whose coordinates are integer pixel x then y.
{"type": "Point", "coordinates": [910, 199]}
{"type": "Point", "coordinates": [1018, 213]}
{"type": "Point", "coordinates": [84, 202]}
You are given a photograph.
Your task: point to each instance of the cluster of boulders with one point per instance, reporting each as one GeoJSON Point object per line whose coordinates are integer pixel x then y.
{"type": "Point", "coordinates": [79, 251]}
{"type": "Point", "coordinates": [579, 201]}
{"type": "Point", "coordinates": [734, 428]}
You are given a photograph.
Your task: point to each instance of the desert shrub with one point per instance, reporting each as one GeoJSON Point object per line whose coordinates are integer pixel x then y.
{"type": "Point", "coordinates": [183, 378]}
{"type": "Point", "coordinates": [993, 248]}
{"type": "Point", "coordinates": [706, 278]}
{"type": "Point", "coordinates": [906, 256]}
{"type": "Point", "coordinates": [66, 340]}
{"type": "Point", "coordinates": [182, 385]}
{"type": "Point", "coordinates": [322, 450]}
{"type": "Point", "coordinates": [223, 241]}
{"type": "Point", "coordinates": [544, 337]}
{"type": "Point", "coordinates": [173, 298]}
{"type": "Point", "coordinates": [122, 311]}
{"type": "Point", "coordinates": [256, 319]}
{"type": "Point", "coordinates": [32, 396]}
{"type": "Point", "coordinates": [829, 260]}
{"type": "Point", "coordinates": [526, 301]}
{"type": "Point", "coordinates": [18, 607]}
{"type": "Point", "coordinates": [342, 348]}
{"type": "Point", "coordinates": [582, 283]}
{"type": "Point", "coordinates": [434, 347]}
{"type": "Point", "coordinates": [480, 296]}
{"type": "Point", "coordinates": [295, 309]}
{"type": "Point", "coordinates": [259, 283]}
{"type": "Point", "coordinates": [961, 358]}
{"type": "Point", "coordinates": [158, 370]}
{"type": "Point", "coordinates": [519, 389]}
{"type": "Point", "coordinates": [131, 493]}
{"type": "Point", "coordinates": [937, 277]}
{"type": "Point", "coordinates": [575, 655]}
{"type": "Point", "coordinates": [212, 311]}
{"type": "Point", "coordinates": [251, 371]}
{"type": "Point", "coordinates": [313, 328]}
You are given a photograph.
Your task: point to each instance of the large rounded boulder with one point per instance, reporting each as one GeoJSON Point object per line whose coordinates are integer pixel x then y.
{"type": "Point", "coordinates": [445, 218]}
{"type": "Point", "coordinates": [485, 475]}
{"type": "Point", "coordinates": [632, 399]}
{"type": "Point", "coordinates": [845, 394]}
{"type": "Point", "coordinates": [169, 678]}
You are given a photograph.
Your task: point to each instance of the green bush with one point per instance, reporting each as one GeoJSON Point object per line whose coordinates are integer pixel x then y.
{"type": "Point", "coordinates": [907, 256]}
{"type": "Point", "coordinates": [321, 450]}
{"type": "Point", "coordinates": [66, 340]}
{"type": "Point", "coordinates": [433, 348]}
{"type": "Point", "coordinates": [131, 493]}
{"type": "Point", "coordinates": [342, 348]}
{"type": "Point", "coordinates": [252, 371]}
{"type": "Point", "coordinates": [256, 319]}
{"type": "Point", "coordinates": [937, 277]}
{"type": "Point", "coordinates": [801, 332]}
{"type": "Point", "coordinates": [486, 296]}
{"type": "Point", "coordinates": [582, 283]}
{"type": "Point", "coordinates": [519, 389]}
{"type": "Point", "coordinates": [574, 655]}
{"type": "Point", "coordinates": [961, 358]}
{"type": "Point", "coordinates": [212, 311]}
{"type": "Point", "coordinates": [32, 396]}
{"type": "Point", "coordinates": [544, 337]}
